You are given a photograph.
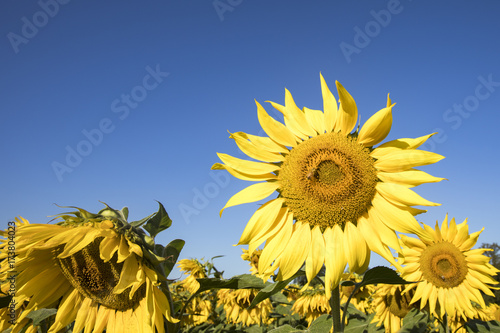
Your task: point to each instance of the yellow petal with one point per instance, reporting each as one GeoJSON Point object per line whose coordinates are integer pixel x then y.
{"type": "Point", "coordinates": [261, 220]}
{"type": "Point", "coordinates": [316, 257]}
{"type": "Point", "coordinates": [297, 117]}
{"type": "Point", "coordinates": [374, 240]}
{"type": "Point", "coordinates": [316, 120]}
{"type": "Point", "coordinates": [295, 253]}
{"type": "Point", "coordinates": [356, 249]}
{"type": "Point", "coordinates": [290, 122]}
{"type": "Point", "coordinates": [244, 176]}
{"type": "Point", "coordinates": [376, 128]}
{"type": "Point", "coordinates": [254, 151]}
{"type": "Point", "coordinates": [405, 159]}
{"type": "Point", "coordinates": [406, 143]}
{"type": "Point", "coordinates": [251, 193]}
{"type": "Point", "coordinates": [335, 260]}
{"type": "Point", "coordinates": [128, 276]}
{"type": "Point", "coordinates": [276, 130]}
{"type": "Point", "coordinates": [275, 245]}
{"type": "Point", "coordinates": [409, 178]}
{"type": "Point", "coordinates": [273, 226]}
{"type": "Point", "coordinates": [265, 143]}
{"type": "Point", "coordinates": [329, 106]}
{"type": "Point", "coordinates": [348, 111]}
{"type": "Point", "coordinates": [248, 167]}
{"type": "Point", "coordinates": [401, 195]}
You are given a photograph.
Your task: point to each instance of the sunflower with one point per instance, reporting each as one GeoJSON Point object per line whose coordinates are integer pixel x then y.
{"type": "Point", "coordinates": [236, 303]}
{"type": "Point", "coordinates": [312, 303]}
{"type": "Point", "coordinates": [92, 268]}
{"type": "Point", "coordinates": [391, 306]}
{"type": "Point", "coordinates": [361, 300]}
{"type": "Point", "coordinates": [338, 197]}
{"type": "Point", "coordinates": [194, 270]}
{"type": "Point", "coordinates": [253, 259]}
{"type": "Point", "coordinates": [452, 275]}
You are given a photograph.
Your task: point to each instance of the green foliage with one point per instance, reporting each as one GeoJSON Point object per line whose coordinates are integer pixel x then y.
{"type": "Point", "coordinates": [243, 281]}
{"type": "Point", "coordinates": [273, 288]}
{"type": "Point", "coordinates": [477, 326]}
{"type": "Point", "coordinates": [159, 222]}
{"type": "Point", "coordinates": [39, 315]}
{"type": "Point", "coordinates": [414, 322]}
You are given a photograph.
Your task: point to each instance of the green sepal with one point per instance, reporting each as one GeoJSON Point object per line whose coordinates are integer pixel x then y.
{"type": "Point", "coordinates": [159, 222]}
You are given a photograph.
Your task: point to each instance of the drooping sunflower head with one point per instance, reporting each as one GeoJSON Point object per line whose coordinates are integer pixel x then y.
{"type": "Point", "coordinates": [452, 274]}
{"type": "Point", "coordinates": [236, 303]}
{"type": "Point", "coordinates": [253, 259]}
{"type": "Point", "coordinates": [194, 270]}
{"type": "Point", "coordinates": [339, 196]}
{"type": "Point", "coordinates": [93, 268]}
{"type": "Point", "coordinates": [391, 306]}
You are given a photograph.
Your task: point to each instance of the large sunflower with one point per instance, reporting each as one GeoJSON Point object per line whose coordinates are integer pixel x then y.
{"type": "Point", "coordinates": [91, 268]}
{"type": "Point", "coordinates": [338, 196]}
{"type": "Point", "coordinates": [452, 275]}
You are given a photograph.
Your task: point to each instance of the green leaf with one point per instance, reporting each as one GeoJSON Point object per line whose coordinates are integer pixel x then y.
{"type": "Point", "coordinates": [171, 254]}
{"type": "Point", "coordinates": [362, 325]}
{"type": "Point", "coordinates": [141, 221]}
{"type": "Point", "coordinates": [254, 329]}
{"type": "Point", "coordinates": [5, 301]}
{"type": "Point", "coordinates": [273, 288]}
{"type": "Point", "coordinates": [124, 212]}
{"type": "Point", "coordinates": [243, 281]}
{"type": "Point", "coordinates": [381, 274]}
{"type": "Point", "coordinates": [322, 324]}
{"type": "Point", "coordinates": [482, 326]}
{"type": "Point", "coordinates": [414, 322]}
{"type": "Point", "coordinates": [39, 315]}
{"type": "Point", "coordinates": [159, 222]}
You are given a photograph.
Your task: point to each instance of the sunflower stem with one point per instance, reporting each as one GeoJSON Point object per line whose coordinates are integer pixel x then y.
{"type": "Point", "coordinates": [335, 305]}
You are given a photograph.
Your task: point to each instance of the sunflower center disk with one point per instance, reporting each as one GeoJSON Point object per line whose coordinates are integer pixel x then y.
{"type": "Point", "coordinates": [329, 179]}
{"type": "Point", "coordinates": [444, 265]}
{"type": "Point", "coordinates": [96, 279]}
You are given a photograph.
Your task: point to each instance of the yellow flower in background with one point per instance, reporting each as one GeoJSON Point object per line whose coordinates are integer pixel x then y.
{"type": "Point", "coordinates": [338, 197]}
{"type": "Point", "coordinates": [195, 270]}
{"type": "Point", "coordinates": [391, 306]}
{"type": "Point", "coordinates": [91, 270]}
{"type": "Point", "coordinates": [312, 303]}
{"type": "Point", "coordinates": [362, 298]}
{"type": "Point", "coordinates": [452, 275]}
{"type": "Point", "coordinates": [236, 303]}
{"type": "Point", "coordinates": [253, 259]}
{"type": "Point", "coordinates": [456, 323]}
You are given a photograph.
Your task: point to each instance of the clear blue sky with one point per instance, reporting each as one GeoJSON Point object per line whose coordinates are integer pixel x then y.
{"type": "Point", "coordinates": [127, 102]}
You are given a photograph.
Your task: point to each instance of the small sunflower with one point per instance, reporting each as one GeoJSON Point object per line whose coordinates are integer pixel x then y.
{"type": "Point", "coordinates": [312, 303]}
{"type": "Point", "coordinates": [236, 303]}
{"type": "Point", "coordinates": [456, 323]}
{"type": "Point", "coordinates": [391, 306]}
{"type": "Point", "coordinates": [452, 275]}
{"type": "Point", "coordinates": [339, 197]}
{"type": "Point", "coordinates": [94, 268]}
{"type": "Point", "coordinates": [194, 270]}
{"type": "Point", "coordinates": [253, 259]}
{"type": "Point", "coordinates": [361, 300]}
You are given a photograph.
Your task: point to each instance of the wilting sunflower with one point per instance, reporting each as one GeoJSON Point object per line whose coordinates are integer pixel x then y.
{"type": "Point", "coordinates": [391, 306]}
{"type": "Point", "coordinates": [452, 275]}
{"type": "Point", "coordinates": [253, 259]}
{"type": "Point", "coordinates": [236, 303]}
{"type": "Point", "coordinates": [361, 300]}
{"type": "Point", "coordinates": [92, 268]}
{"type": "Point", "coordinates": [338, 196]}
{"type": "Point", "coordinates": [312, 303]}
{"type": "Point", "coordinates": [194, 270]}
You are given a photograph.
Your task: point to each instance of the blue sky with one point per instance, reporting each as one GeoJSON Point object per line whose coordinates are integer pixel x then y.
{"type": "Point", "coordinates": [128, 102]}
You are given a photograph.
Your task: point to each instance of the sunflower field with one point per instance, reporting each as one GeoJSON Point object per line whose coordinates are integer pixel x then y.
{"type": "Point", "coordinates": [342, 193]}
